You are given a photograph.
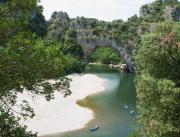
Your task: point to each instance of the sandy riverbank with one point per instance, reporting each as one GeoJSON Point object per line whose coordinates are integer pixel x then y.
{"type": "Point", "coordinates": [63, 114]}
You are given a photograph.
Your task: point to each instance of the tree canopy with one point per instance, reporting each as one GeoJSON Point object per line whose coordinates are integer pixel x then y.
{"type": "Point", "coordinates": [27, 61]}
{"type": "Point", "coordinates": [158, 89]}
{"type": "Point", "coordinates": [106, 56]}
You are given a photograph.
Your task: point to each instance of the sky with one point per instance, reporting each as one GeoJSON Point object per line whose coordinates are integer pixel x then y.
{"type": "Point", "coordinates": [106, 10]}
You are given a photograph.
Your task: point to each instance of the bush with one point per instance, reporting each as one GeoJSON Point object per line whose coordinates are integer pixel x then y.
{"type": "Point", "coordinates": [106, 56]}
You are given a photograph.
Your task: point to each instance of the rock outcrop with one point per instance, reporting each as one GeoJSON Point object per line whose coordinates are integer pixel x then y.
{"type": "Point", "coordinates": [172, 13]}
{"type": "Point", "coordinates": [84, 27]}
{"type": "Point", "coordinates": [119, 35]}
{"type": "Point", "coordinates": [58, 24]}
{"type": "Point", "coordinates": [1, 1]}
{"type": "Point", "coordinates": [161, 10]}
{"type": "Point", "coordinates": [121, 67]}
{"type": "Point", "coordinates": [89, 45]}
{"type": "Point", "coordinates": [89, 41]}
{"type": "Point", "coordinates": [144, 11]}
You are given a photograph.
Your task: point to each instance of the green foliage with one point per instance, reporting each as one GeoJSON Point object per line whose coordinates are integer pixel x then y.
{"type": "Point", "coordinates": [159, 52]}
{"type": "Point", "coordinates": [119, 30]}
{"type": "Point", "coordinates": [154, 12]}
{"type": "Point", "coordinates": [38, 24]}
{"type": "Point", "coordinates": [132, 25]}
{"type": "Point", "coordinates": [71, 45]}
{"type": "Point", "coordinates": [10, 127]}
{"type": "Point", "coordinates": [88, 23]}
{"type": "Point", "coordinates": [26, 63]}
{"type": "Point", "coordinates": [158, 104]}
{"type": "Point", "coordinates": [171, 2]}
{"type": "Point", "coordinates": [14, 19]}
{"type": "Point", "coordinates": [106, 56]}
{"type": "Point", "coordinates": [75, 65]}
{"type": "Point", "coordinates": [15, 15]}
{"type": "Point", "coordinates": [157, 84]}
{"type": "Point", "coordinates": [57, 26]}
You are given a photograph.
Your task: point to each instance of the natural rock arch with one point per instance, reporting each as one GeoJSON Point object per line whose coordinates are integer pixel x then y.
{"type": "Point", "coordinates": [89, 45]}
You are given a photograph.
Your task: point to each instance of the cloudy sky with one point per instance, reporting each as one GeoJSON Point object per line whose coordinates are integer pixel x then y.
{"type": "Point", "coordinates": [107, 10]}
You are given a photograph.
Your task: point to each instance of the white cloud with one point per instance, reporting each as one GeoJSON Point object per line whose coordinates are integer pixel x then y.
{"type": "Point", "coordinates": [107, 10]}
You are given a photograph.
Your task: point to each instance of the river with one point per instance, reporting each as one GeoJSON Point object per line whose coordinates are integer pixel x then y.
{"type": "Point", "coordinates": [108, 106]}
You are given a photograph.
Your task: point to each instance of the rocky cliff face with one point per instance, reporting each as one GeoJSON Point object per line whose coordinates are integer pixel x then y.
{"type": "Point", "coordinates": [1, 1]}
{"type": "Point", "coordinates": [162, 10]}
{"type": "Point", "coordinates": [121, 36]}
{"type": "Point", "coordinates": [144, 11]}
{"type": "Point", "coordinates": [85, 35]}
{"type": "Point", "coordinates": [83, 23]}
{"type": "Point", "coordinates": [58, 24]}
{"type": "Point", "coordinates": [89, 41]}
{"type": "Point", "coordinates": [89, 45]}
{"type": "Point", "coordinates": [172, 12]}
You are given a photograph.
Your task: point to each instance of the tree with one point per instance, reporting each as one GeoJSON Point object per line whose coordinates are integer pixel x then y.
{"type": "Point", "coordinates": [15, 15]}
{"type": "Point", "coordinates": [157, 84]}
{"type": "Point", "coordinates": [158, 104]}
{"type": "Point", "coordinates": [106, 56]}
{"type": "Point", "coordinates": [10, 127]}
{"type": "Point", "coordinates": [170, 2]}
{"type": "Point", "coordinates": [159, 52]}
{"type": "Point", "coordinates": [38, 24]}
{"type": "Point", "coordinates": [71, 45]}
{"type": "Point", "coordinates": [26, 63]}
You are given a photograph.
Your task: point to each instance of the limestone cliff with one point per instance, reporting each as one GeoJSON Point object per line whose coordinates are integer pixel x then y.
{"type": "Point", "coordinates": [161, 10]}
{"type": "Point", "coordinates": [119, 35]}
{"type": "Point", "coordinates": [90, 41]}
{"type": "Point", "coordinates": [89, 45]}
{"type": "Point", "coordinates": [58, 24]}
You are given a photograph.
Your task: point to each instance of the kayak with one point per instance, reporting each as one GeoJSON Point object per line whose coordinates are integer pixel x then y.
{"type": "Point", "coordinates": [126, 107]}
{"type": "Point", "coordinates": [94, 128]}
{"type": "Point", "coordinates": [132, 112]}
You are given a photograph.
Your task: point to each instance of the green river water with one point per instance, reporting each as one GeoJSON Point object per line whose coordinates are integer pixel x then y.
{"type": "Point", "coordinates": [110, 115]}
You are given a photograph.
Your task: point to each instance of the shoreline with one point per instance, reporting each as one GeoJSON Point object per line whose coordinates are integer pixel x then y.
{"type": "Point", "coordinates": [64, 114]}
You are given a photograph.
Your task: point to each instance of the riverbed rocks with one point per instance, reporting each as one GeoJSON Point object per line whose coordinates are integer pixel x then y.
{"type": "Point", "coordinates": [121, 67]}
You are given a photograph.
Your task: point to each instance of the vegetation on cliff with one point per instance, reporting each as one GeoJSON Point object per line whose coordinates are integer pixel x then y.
{"type": "Point", "coordinates": [126, 33]}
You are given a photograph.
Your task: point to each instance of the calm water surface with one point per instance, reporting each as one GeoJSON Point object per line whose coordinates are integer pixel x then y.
{"type": "Point", "coordinates": [108, 106]}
